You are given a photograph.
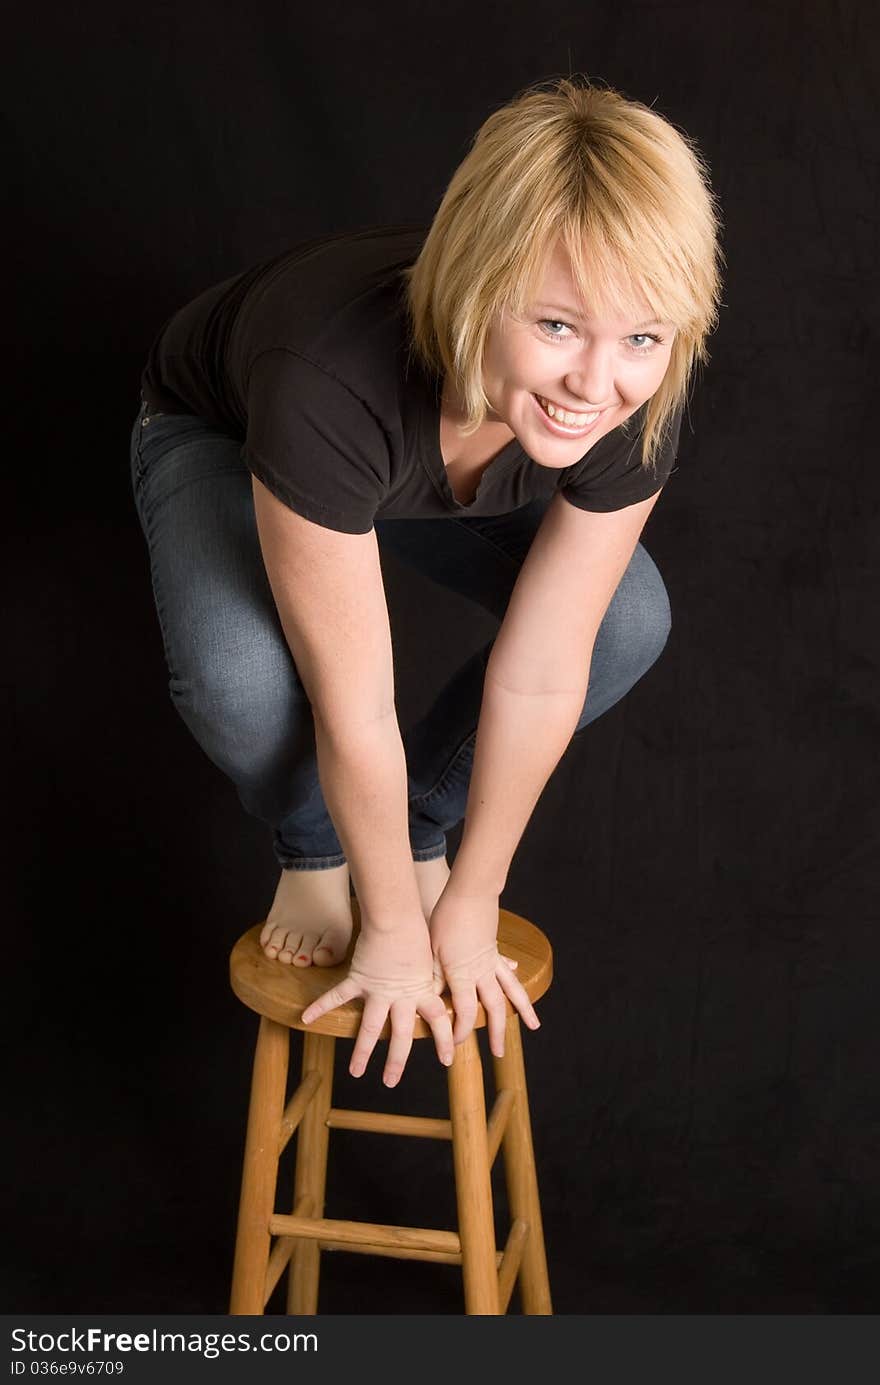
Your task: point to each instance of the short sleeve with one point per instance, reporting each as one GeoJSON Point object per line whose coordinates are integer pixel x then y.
{"type": "Point", "coordinates": [314, 444]}
{"type": "Point", "coordinates": [612, 476]}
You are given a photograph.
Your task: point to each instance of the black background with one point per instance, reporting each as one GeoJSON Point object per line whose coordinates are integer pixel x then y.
{"type": "Point", "coordinates": [704, 1087]}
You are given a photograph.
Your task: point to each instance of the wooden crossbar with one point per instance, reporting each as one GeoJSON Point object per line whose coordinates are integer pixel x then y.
{"type": "Point", "coordinates": [441, 1257]}
{"type": "Point", "coordinates": [362, 1233]}
{"type": "Point", "coordinates": [497, 1122]}
{"type": "Point", "coordinates": [282, 1251]}
{"type": "Point", "coordinates": [296, 1108]}
{"type": "Point", "coordinates": [511, 1261]}
{"type": "Point", "coordinates": [425, 1127]}
{"type": "Point", "coordinates": [381, 1123]}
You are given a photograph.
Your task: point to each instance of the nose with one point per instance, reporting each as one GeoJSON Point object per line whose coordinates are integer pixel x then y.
{"type": "Point", "coordinates": [591, 378]}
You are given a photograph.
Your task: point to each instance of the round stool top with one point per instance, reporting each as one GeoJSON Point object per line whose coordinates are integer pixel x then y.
{"type": "Point", "coordinates": [281, 992]}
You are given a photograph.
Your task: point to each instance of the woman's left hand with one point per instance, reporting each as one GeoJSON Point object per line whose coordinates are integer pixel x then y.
{"type": "Point", "coordinates": [464, 939]}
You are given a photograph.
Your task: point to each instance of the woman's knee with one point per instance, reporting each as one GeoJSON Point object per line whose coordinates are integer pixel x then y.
{"type": "Point", "coordinates": [247, 710]}
{"type": "Point", "coordinates": [654, 620]}
{"type": "Point", "coordinates": [631, 638]}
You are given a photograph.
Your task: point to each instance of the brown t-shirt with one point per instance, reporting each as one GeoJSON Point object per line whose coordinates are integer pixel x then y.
{"type": "Point", "coordinates": [306, 358]}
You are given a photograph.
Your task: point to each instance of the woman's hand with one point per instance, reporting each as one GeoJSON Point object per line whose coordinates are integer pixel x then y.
{"type": "Point", "coordinates": [393, 970]}
{"type": "Point", "coordinates": [464, 937]}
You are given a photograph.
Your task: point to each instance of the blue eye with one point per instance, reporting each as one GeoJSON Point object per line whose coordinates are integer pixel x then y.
{"type": "Point", "coordinates": [648, 338]}
{"type": "Point", "coordinates": [548, 322]}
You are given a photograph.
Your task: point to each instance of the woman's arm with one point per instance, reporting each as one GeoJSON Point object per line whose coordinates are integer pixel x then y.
{"type": "Point", "coordinates": [538, 673]}
{"type": "Point", "coordinates": [331, 601]}
{"type": "Point", "coordinates": [534, 693]}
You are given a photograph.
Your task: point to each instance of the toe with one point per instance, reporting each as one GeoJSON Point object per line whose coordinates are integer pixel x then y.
{"type": "Point", "coordinates": [331, 946]}
{"type": "Point", "coordinates": [281, 943]}
{"type": "Point", "coordinates": [291, 947]}
{"type": "Point", "coordinates": [272, 939]}
{"type": "Point", "coordinates": [302, 956]}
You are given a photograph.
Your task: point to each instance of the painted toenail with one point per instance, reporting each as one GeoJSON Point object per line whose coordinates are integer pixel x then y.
{"type": "Point", "coordinates": [302, 957]}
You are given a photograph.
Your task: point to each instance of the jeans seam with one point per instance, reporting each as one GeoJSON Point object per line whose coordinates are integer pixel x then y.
{"type": "Point", "coordinates": [420, 799]}
{"type": "Point", "coordinates": [312, 862]}
{"type": "Point", "coordinates": [438, 850]}
{"type": "Point", "coordinates": [139, 461]}
{"type": "Point", "coordinates": [158, 594]}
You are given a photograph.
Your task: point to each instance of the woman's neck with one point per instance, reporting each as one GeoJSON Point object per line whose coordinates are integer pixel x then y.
{"type": "Point", "coordinates": [480, 447]}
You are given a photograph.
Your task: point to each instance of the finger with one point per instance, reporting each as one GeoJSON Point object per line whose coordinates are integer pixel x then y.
{"type": "Point", "coordinates": [511, 961]}
{"type": "Point", "coordinates": [439, 982]}
{"type": "Point", "coordinates": [464, 1002]}
{"type": "Point", "coordinates": [337, 995]}
{"type": "Point", "coordinates": [435, 1013]}
{"type": "Point", "coordinates": [518, 996]}
{"type": "Point", "coordinates": [374, 1017]}
{"type": "Point", "coordinates": [403, 1018]}
{"type": "Point", "coordinates": [492, 997]}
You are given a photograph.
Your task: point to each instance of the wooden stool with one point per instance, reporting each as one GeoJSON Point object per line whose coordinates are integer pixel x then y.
{"type": "Point", "coordinates": [279, 994]}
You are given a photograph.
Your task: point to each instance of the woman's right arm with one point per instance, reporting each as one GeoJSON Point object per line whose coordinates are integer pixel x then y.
{"type": "Point", "coordinates": [331, 601]}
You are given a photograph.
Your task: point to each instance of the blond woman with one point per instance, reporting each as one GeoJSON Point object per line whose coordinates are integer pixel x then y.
{"type": "Point", "coordinates": [497, 401]}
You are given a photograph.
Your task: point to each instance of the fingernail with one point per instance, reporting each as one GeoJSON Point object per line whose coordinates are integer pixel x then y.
{"type": "Point", "coordinates": [446, 1058]}
{"type": "Point", "coordinates": [391, 1081]}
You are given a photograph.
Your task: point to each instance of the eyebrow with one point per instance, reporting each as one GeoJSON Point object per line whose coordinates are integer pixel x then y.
{"type": "Point", "coordinates": [571, 312]}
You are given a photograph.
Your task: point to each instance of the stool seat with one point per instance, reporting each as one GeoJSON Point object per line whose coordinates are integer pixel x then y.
{"type": "Point", "coordinates": [270, 1243]}
{"type": "Point", "coordinates": [281, 992]}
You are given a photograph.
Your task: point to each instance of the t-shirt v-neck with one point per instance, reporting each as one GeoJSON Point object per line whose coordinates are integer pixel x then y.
{"type": "Point", "coordinates": [431, 458]}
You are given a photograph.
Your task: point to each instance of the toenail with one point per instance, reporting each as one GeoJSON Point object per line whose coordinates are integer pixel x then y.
{"type": "Point", "coordinates": [301, 957]}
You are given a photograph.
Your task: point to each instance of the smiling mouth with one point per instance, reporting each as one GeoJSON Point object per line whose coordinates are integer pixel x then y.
{"type": "Point", "coordinates": [567, 418]}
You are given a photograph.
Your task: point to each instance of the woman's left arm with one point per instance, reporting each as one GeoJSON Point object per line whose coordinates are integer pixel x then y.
{"type": "Point", "coordinates": [533, 695]}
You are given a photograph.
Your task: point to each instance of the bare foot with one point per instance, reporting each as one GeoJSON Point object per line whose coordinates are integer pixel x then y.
{"type": "Point", "coordinates": [431, 877]}
{"type": "Point", "coordinates": [310, 918]}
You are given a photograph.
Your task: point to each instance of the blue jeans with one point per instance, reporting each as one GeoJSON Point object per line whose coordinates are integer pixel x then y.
{"type": "Point", "coordinates": [231, 674]}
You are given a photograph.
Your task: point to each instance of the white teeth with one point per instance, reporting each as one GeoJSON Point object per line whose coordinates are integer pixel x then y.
{"type": "Point", "coordinates": [564, 416]}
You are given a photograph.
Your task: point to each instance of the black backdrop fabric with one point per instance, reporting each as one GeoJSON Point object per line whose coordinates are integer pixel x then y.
{"type": "Point", "coordinates": [704, 1086]}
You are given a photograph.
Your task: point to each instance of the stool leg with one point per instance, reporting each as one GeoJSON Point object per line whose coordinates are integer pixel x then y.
{"type": "Point", "coordinates": [473, 1186]}
{"type": "Point", "coordinates": [311, 1171]}
{"type": "Point", "coordinates": [519, 1168]}
{"type": "Point", "coordinates": [257, 1201]}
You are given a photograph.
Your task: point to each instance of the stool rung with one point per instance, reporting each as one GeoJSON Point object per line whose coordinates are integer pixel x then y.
{"type": "Point", "coordinates": [366, 1234]}
{"type": "Point", "coordinates": [497, 1122]}
{"type": "Point", "coordinates": [384, 1123]}
{"type": "Point", "coordinates": [282, 1251]}
{"type": "Point", "coordinates": [511, 1261]}
{"type": "Point", "coordinates": [441, 1257]}
{"type": "Point", "coordinates": [296, 1108]}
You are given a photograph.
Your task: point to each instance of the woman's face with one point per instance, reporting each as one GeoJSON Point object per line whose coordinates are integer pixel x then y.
{"type": "Point", "coordinates": [592, 372]}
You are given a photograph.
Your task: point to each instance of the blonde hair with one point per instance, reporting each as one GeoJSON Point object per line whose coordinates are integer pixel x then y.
{"type": "Point", "coordinates": [629, 196]}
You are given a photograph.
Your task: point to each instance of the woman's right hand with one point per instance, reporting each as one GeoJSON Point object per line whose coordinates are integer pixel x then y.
{"type": "Point", "coordinates": [393, 970]}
